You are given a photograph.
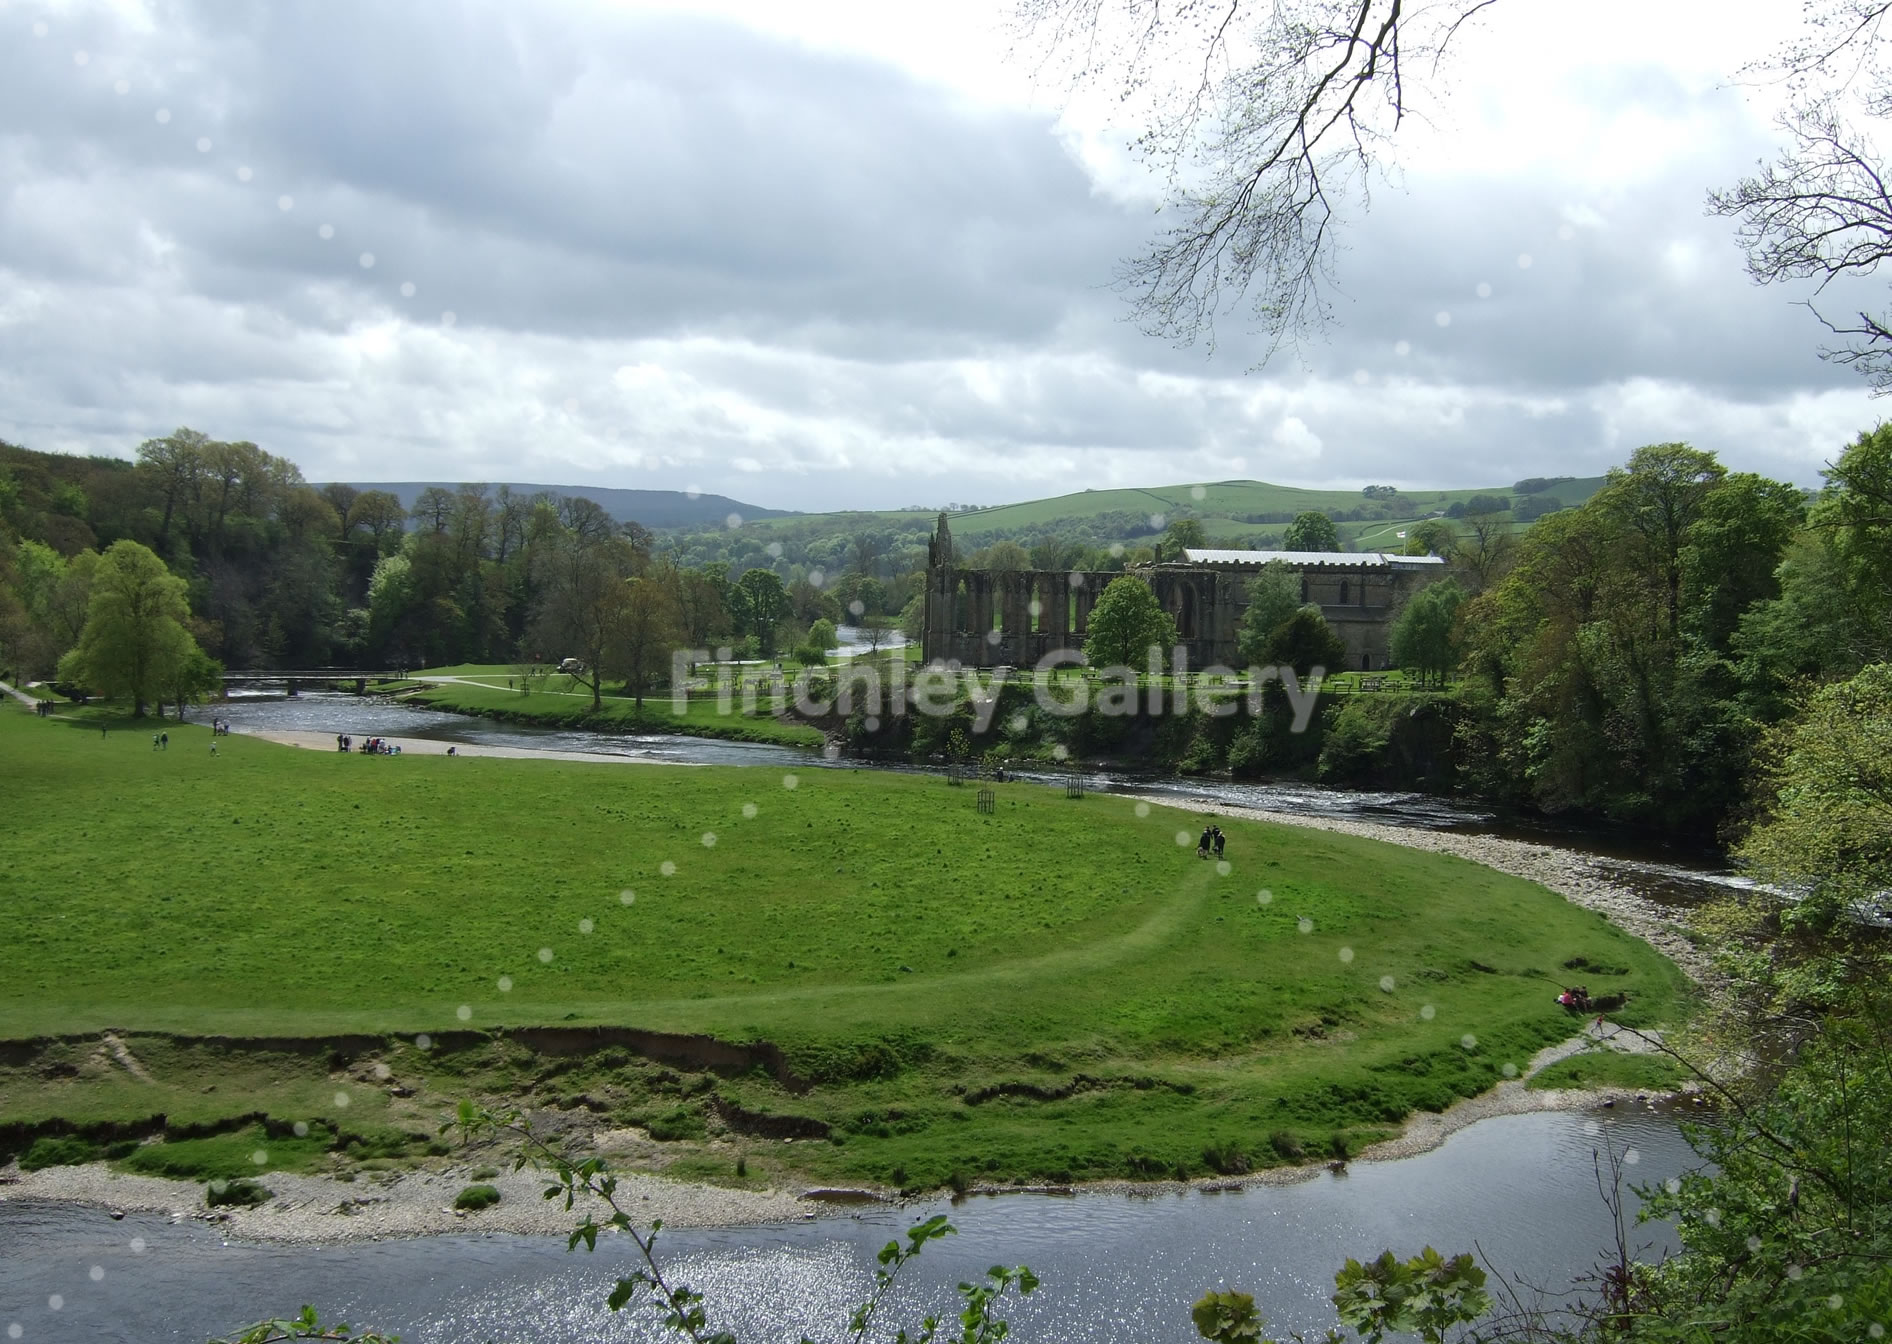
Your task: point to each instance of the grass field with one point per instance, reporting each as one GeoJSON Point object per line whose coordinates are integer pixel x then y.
{"type": "Point", "coordinates": [1054, 990]}
{"type": "Point", "coordinates": [556, 705]}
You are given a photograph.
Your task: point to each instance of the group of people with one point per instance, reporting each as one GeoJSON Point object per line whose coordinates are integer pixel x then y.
{"type": "Point", "coordinates": [43, 708]}
{"type": "Point", "coordinates": [1211, 842]}
{"type": "Point", "coordinates": [220, 727]}
{"type": "Point", "coordinates": [373, 746]}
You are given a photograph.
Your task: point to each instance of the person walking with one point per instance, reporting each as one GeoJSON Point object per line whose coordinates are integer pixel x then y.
{"type": "Point", "coordinates": [1220, 840]}
{"type": "Point", "coordinates": [154, 741]}
{"type": "Point", "coordinates": [164, 741]}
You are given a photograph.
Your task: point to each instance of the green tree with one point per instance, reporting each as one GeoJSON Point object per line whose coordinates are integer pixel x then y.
{"type": "Point", "coordinates": [1431, 536]}
{"type": "Point", "coordinates": [1424, 636]}
{"type": "Point", "coordinates": [134, 643]}
{"type": "Point", "coordinates": [195, 679]}
{"type": "Point", "coordinates": [821, 636]}
{"type": "Point", "coordinates": [1825, 831]}
{"type": "Point", "coordinates": [1306, 642]}
{"type": "Point", "coordinates": [1486, 550]}
{"type": "Point", "coordinates": [583, 561]}
{"type": "Point", "coordinates": [1126, 624]}
{"type": "Point", "coordinates": [642, 630]}
{"type": "Point", "coordinates": [1657, 499]}
{"type": "Point", "coordinates": [1001, 555]}
{"type": "Point", "coordinates": [759, 603]}
{"type": "Point", "coordinates": [1273, 597]}
{"type": "Point", "coordinates": [1181, 534]}
{"type": "Point", "coordinates": [1311, 531]}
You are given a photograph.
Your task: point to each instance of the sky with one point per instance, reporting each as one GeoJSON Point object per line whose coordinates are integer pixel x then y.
{"type": "Point", "coordinates": [846, 255]}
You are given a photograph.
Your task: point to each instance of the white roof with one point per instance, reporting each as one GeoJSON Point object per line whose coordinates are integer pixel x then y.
{"type": "Point", "coordinates": [1309, 559]}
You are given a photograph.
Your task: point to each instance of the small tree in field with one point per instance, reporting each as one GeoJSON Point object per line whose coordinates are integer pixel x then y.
{"type": "Point", "coordinates": [1126, 624]}
{"type": "Point", "coordinates": [195, 679]}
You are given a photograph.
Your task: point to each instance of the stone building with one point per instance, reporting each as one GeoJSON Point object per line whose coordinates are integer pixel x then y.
{"type": "Point", "coordinates": [1014, 618]}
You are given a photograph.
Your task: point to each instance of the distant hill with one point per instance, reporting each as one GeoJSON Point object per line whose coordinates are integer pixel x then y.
{"type": "Point", "coordinates": [652, 508]}
{"type": "Point", "coordinates": [1225, 508]}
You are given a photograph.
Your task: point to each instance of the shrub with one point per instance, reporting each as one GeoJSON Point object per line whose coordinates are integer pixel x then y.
{"type": "Point", "coordinates": [476, 1197]}
{"type": "Point", "coordinates": [1287, 1146]}
{"type": "Point", "coordinates": [241, 1194]}
{"type": "Point", "coordinates": [742, 1167]}
{"type": "Point", "coordinates": [1247, 751]}
{"type": "Point", "coordinates": [680, 1122]}
{"type": "Point", "coordinates": [485, 1173]}
{"type": "Point", "coordinates": [1339, 1146]}
{"type": "Point", "coordinates": [65, 1151]}
{"type": "Point", "coordinates": [1226, 1158]}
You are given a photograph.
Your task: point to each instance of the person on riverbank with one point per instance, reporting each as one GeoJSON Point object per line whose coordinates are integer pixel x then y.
{"type": "Point", "coordinates": [1219, 838]}
{"type": "Point", "coordinates": [1203, 845]}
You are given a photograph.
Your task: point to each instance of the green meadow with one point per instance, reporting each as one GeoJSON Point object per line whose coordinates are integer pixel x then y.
{"type": "Point", "coordinates": [1222, 507]}
{"type": "Point", "coordinates": [1055, 990]}
{"type": "Point", "coordinates": [560, 703]}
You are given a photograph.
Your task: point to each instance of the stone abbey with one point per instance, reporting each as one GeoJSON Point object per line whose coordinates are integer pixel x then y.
{"type": "Point", "coordinates": [1014, 618]}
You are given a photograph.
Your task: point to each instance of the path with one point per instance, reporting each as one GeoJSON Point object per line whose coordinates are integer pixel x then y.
{"type": "Point", "coordinates": [19, 695]}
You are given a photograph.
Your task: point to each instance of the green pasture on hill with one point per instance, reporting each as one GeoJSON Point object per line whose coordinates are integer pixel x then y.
{"type": "Point", "coordinates": [1221, 505]}
{"type": "Point", "coordinates": [1057, 989]}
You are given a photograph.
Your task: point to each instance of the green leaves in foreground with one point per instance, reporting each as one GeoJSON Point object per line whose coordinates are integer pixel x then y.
{"type": "Point", "coordinates": [304, 1326]}
{"type": "Point", "coordinates": [1423, 1296]}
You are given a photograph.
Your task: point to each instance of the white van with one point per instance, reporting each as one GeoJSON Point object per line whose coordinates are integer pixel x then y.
{"type": "Point", "coordinates": [571, 666]}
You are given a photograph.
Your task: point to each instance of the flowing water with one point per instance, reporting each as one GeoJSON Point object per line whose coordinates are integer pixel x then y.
{"type": "Point", "coordinates": [1117, 1269]}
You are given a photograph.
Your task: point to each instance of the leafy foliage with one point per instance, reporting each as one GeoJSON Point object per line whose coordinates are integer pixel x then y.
{"type": "Point", "coordinates": [1311, 531]}
{"type": "Point", "coordinates": [134, 643]}
{"type": "Point", "coordinates": [1128, 626]}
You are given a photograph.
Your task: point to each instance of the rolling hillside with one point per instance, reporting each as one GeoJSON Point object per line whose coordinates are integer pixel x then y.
{"type": "Point", "coordinates": [1226, 509]}
{"type": "Point", "coordinates": [652, 508]}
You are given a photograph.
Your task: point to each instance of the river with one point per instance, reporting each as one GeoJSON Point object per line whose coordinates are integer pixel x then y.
{"type": "Point", "coordinates": [1116, 1269]}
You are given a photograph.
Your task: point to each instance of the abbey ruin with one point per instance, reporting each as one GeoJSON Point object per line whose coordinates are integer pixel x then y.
{"type": "Point", "coordinates": [1015, 618]}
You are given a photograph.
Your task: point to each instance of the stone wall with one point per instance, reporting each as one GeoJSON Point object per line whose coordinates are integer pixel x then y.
{"type": "Point", "coordinates": [1015, 618]}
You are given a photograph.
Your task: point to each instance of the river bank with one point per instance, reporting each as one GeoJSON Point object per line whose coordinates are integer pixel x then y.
{"type": "Point", "coordinates": [323, 1208]}
{"type": "Point", "coordinates": [312, 1210]}
{"type": "Point", "coordinates": [423, 746]}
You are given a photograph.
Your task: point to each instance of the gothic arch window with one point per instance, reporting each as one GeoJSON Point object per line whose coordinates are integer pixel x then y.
{"type": "Point", "coordinates": [1343, 592]}
{"type": "Point", "coordinates": [1303, 587]}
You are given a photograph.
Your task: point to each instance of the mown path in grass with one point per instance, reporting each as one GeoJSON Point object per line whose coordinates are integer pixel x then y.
{"type": "Point", "coordinates": [1057, 986]}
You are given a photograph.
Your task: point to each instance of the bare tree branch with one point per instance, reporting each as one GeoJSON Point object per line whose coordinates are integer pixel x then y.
{"type": "Point", "coordinates": [1285, 109]}
{"type": "Point", "coordinates": [1823, 212]}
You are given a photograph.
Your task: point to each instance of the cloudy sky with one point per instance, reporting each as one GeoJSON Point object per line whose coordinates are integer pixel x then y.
{"type": "Point", "coordinates": [825, 255]}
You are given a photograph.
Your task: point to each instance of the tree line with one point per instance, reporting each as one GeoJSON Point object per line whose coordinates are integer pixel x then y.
{"type": "Point", "coordinates": [145, 578]}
